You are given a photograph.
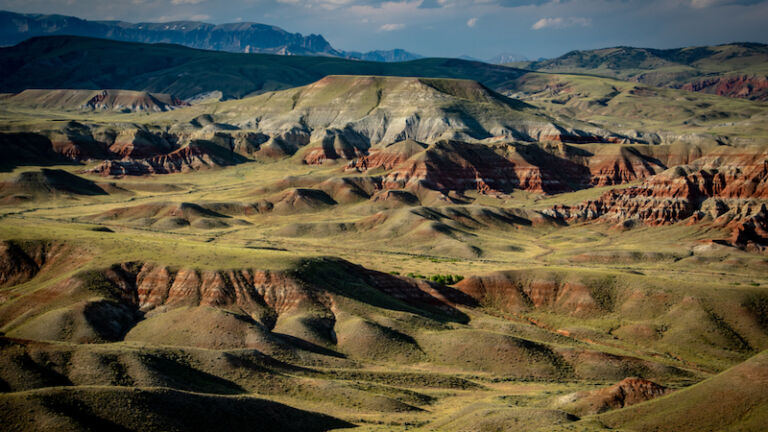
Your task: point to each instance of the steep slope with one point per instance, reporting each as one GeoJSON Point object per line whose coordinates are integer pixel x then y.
{"type": "Point", "coordinates": [197, 155]}
{"type": "Point", "coordinates": [21, 261]}
{"type": "Point", "coordinates": [733, 400]}
{"type": "Point", "coordinates": [151, 303]}
{"type": "Point", "coordinates": [733, 70]}
{"type": "Point", "coordinates": [726, 189]}
{"type": "Point", "coordinates": [704, 325]}
{"type": "Point", "coordinates": [322, 307]}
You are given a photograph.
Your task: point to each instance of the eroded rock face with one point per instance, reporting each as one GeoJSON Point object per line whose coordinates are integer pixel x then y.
{"type": "Point", "coordinates": [740, 86]}
{"type": "Point", "coordinates": [261, 293]}
{"type": "Point", "coordinates": [137, 144]}
{"type": "Point", "coordinates": [611, 167]}
{"type": "Point", "coordinates": [20, 261]}
{"type": "Point", "coordinates": [195, 156]}
{"type": "Point", "coordinates": [550, 167]}
{"type": "Point", "coordinates": [461, 166]}
{"type": "Point", "coordinates": [727, 190]}
{"type": "Point", "coordinates": [303, 302]}
{"type": "Point", "coordinates": [629, 391]}
{"type": "Point", "coordinates": [514, 292]}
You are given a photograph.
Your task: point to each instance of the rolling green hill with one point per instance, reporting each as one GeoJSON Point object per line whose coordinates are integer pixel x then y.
{"type": "Point", "coordinates": [87, 63]}
{"type": "Point", "coordinates": [737, 69]}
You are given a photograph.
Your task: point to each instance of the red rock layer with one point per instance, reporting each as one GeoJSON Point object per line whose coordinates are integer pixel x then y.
{"type": "Point", "coordinates": [724, 189]}
{"type": "Point", "coordinates": [629, 391]}
{"type": "Point", "coordinates": [138, 144]}
{"type": "Point", "coordinates": [197, 155]}
{"type": "Point", "coordinates": [624, 166]}
{"type": "Point", "coordinates": [458, 166]}
{"type": "Point", "coordinates": [744, 86]}
{"type": "Point", "coordinates": [20, 261]}
{"type": "Point", "coordinates": [512, 292]}
{"type": "Point", "coordinates": [546, 168]}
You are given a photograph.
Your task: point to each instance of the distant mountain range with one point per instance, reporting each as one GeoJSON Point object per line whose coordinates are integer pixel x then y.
{"type": "Point", "coordinates": [246, 37]}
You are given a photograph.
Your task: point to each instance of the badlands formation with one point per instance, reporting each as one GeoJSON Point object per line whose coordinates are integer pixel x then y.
{"type": "Point", "coordinates": [521, 250]}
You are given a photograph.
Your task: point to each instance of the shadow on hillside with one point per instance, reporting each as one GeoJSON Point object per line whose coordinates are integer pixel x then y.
{"type": "Point", "coordinates": [384, 290]}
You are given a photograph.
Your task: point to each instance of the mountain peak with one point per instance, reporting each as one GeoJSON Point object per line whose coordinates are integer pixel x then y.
{"type": "Point", "coordinates": [248, 37]}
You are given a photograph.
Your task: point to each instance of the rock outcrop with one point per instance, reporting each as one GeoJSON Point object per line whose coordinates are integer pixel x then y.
{"type": "Point", "coordinates": [491, 168]}
{"type": "Point", "coordinates": [310, 293]}
{"type": "Point", "coordinates": [727, 190]}
{"type": "Point", "coordinates": [627, 392]}
{"type": "Point", "coordinates": [196, 155]}
{"type": "Point", "coordinates": [20, 261]}
{"type": "Point", "coordinates": [740, 86]}
{"type": "Point", "coordinates": [517, 292]}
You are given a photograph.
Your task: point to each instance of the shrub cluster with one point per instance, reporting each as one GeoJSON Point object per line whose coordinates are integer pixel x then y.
{"type": "Point", "coordinates": [446, 279]}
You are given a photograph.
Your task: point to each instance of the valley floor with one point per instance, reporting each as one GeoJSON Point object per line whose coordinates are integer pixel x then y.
{"type": "Point", "coordinates": [547, 319]}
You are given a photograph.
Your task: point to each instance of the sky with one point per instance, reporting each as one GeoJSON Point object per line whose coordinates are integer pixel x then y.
{"type": "Point", "coordinates": [451, 28]}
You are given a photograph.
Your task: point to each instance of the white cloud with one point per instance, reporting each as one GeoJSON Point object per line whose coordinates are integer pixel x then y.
{"type": "Point", "coordinates": [179, 17]}
{"type": "Point", "coordinates": [558, 23]}
{"type": "Point", "coordinates": [701, 4]}
{"type": "Point", "coordinates": [391, 27]}
{"type": "Point", "coordinates": [387, 8]}
{"type": "Point", "coordinates": [183, 2]}
{"type": "Point", "coordinates": [472, 22]}
{"type": "Point", "coordinates": [318, 4]}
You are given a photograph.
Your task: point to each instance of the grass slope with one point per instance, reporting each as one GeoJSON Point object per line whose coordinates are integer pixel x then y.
{"type": "Point", "coordinates": [733, 400]}
{"type": "Point", "coordinates": [667, 68]}
{"type": "Point", "coordinates": [87, 63]}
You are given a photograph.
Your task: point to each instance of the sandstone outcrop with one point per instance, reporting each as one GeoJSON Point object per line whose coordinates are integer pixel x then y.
{"type": "Point", "coordinates": [194, 156]}
{"type": "Point", "coordinates": [727, 190]}
{"type": "Point", "coordinates": [309, 293]}
{"type": "Point", "coordinates": [627, 392]}
{"type": "Point", "coordinates": [516, 292]}
{"type": "Point", "coordinates": [739, 86]}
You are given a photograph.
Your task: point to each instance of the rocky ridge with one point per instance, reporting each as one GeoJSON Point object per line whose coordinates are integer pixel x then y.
{"type": "Point", "coordinates": [726, 189]}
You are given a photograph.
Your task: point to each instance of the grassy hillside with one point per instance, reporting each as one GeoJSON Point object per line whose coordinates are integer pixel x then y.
{"type": "Point", "coordinates": [728, 401]}
{"type": "Point", "coordinates": [378, 252]}
{"type": "Point", "coordinates": [86, 63]}
{"type": "Point", "coordinates": [634, 108]}
{"type": "Point", "coordinates": [668, 68]}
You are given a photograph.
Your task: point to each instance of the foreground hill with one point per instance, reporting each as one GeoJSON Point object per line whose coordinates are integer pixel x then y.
{"type": "Point", "coordinates": [59, 62]}
{"type": "Point", "coordinates": [735, 70]}
{"type": "Point", "coordinates": [728, 401]}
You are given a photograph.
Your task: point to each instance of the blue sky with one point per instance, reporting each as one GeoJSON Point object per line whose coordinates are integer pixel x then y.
{"type": "Point", "coordinates": [479, 28]}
